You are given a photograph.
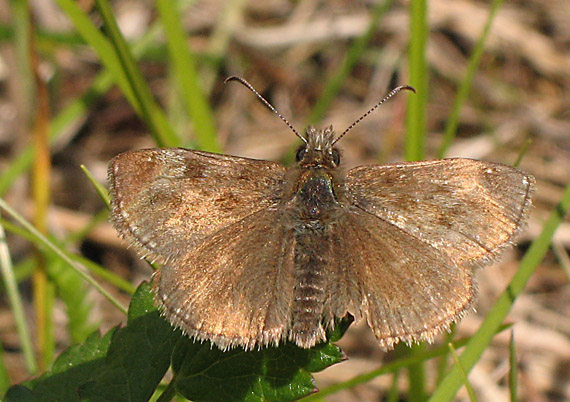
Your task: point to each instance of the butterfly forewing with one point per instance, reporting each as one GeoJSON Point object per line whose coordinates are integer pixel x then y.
{"type": "Point", "coordinates": [464, 208]}
{"type": "Point", "coordinates": [166, 201]}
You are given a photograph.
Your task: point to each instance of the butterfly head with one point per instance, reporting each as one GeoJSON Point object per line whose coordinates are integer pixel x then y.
{"type": "Point", "coordinates": [318, 150]}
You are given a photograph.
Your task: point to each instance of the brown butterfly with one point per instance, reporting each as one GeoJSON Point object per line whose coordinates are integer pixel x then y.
{"type": "Point", "coordinates": [254, 253]}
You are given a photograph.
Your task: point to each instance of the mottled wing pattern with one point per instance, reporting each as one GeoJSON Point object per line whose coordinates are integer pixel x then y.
{"type": "Point", "coordinates": [236, 287]}
{"type": "Point", "coordinates": [465, 208]}
{"type": "Point", "coordinates": [185, 196]}
{"type": "Point", "coordinates": [442, 218]}
{"type": "Point", "coordinates": [405, 288]}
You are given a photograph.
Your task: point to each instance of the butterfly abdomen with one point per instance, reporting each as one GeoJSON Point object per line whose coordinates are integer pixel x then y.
{"type": "Point", "coordinates": [312, 250]}
{"type": "Point", "coordinates": [316, 201]}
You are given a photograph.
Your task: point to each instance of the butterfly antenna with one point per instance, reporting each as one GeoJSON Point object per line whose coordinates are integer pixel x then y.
{"type": "Point", "coordinates": [373, 108]}
{"type": "Point", "coordinates": [265, 102]}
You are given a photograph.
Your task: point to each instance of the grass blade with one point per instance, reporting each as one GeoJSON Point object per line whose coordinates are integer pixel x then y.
{"type": "Point", "coordinates": [152, 115]}
{"type": "Point", "coordinates": [41, 239]}
{"type": "Point", "coordinates": [100, 44]}
{"type": "Point", "coordinates": [463, 92]}
{"type": "Point", "coordinates": [149, 110]}
{"type": "Point", "coordinates": [384, 369]}
{"type": "Point", "coordinates": [27, 266]}
{"type": "Point", "coordinates": [101, 190]}
{"type": "Point", "coordinates": [17, 307]}
{"type": "Point", "coordinates": [415, 137]}
{"type": "Point", "coordinates": [391, 367]}
{"type": "Point", "coordinates": [466, 382]}
{"type": "Point", "coordinates": [416, 111]}
{"type": "Point", "coordinates": [513, 372]}
{"type": "Point", "coordinates": [184, 66]}
{"type": "Point", "coordinates": [417, 376]}
{"type": "Point", "coordinates": [335, 82]}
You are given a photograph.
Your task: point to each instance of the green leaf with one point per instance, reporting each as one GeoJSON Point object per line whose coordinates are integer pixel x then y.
{"type": "Point", "coordinates": [74, 367]}
{"type": "Point", "coordinates": [138, 356]}
{"type": "Point", "coordinates": [19, 393]}
{"type": "Point", "coordinates": [126, 364]}
{"type": "Point", "coordinates": [205, 373]}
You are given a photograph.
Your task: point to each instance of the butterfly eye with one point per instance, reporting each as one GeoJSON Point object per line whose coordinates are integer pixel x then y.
{"type": "Point", "coordinates": [300, 153]}
{"type": "Point", "coordinates": [335, 157]}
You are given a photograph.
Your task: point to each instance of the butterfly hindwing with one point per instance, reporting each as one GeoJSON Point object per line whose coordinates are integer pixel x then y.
{"type": "Point", "coordinates": [405, 288]}
{"type": "Point", "coordinates": [236, 287]}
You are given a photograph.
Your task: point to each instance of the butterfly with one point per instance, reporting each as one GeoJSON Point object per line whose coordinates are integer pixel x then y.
{"type": "Point", "coordinates": [254, 253]}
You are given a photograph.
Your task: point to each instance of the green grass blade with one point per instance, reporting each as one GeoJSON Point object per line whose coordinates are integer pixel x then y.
{"type": "Point", "coordinates": [416, 111]}
{"type": "Point", "coordinates": [463, 92]}
{"type": "Point", "coordinates": [102, 47]}
{"type": "Point", "coordinates": [41, 239]}
{"type": "Point", "coordinates": [513, 372]}
{"type": "Point", "coordinates": [16, 304]}
{"type": "Point", "coordinates": [150, 111]}
{"type": "Point", "coordinates": [417, 376]}
{"type": "Point", "coordinates": [353, 55]}
{"type": "Point", "coordinates": [27, 266]}
{"type": "Point", "coordinates": [4, 377]}
{"type": "Point", "coordinates": [385, 369]}
{"type": "Point", "coordinates": [415, 136]}
{"type": "Point", "coordinates": [522, 152]}
{"type": "Point", "coordinates": [442, 363]}
{"type": "Point", "coordinates": [185, 72]}
{"type": "Point", "coordinates": [101, 190]}
{"type": "Point", "coordinates": [110, 59]}
{"type": "Point", "coordinates": [391, 367]}
{"type": "Point", "coordinates": [71, 116]}
{"type": "Point", "coordinates": [479, 342]}
{"type": "Point", "coordinates": [106, 275]}
{"type": "Point", "coordinates": [394, 392]}
{"type": "Point", "coordinates": [72, 290]}
{"type": "Point", "coordinates": [46, 38]}
{"type": "Point", "coordinates": [464, 378]}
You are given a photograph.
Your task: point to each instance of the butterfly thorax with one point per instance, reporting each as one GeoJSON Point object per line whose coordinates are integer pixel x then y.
{"type": "Point", "coordinates": [316, 196]}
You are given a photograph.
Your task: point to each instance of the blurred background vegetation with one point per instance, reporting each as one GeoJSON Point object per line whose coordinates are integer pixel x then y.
{"type": "Point", "coordinates": [493, 82]}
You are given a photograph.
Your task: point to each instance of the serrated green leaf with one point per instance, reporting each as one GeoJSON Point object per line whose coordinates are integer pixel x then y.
{"type": "Point", "coordinates": [73, 367]}
{"type": "Point", "coordinates": [19, 393]}
{"type": "Point", "coordinates": [205, 373]}
{"type": "Point", "coordinates": [95, 347]}
{"type": "Point", "coordinates": [138, 357]}
{"type": "Point", "coordinates": [126, 364]}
